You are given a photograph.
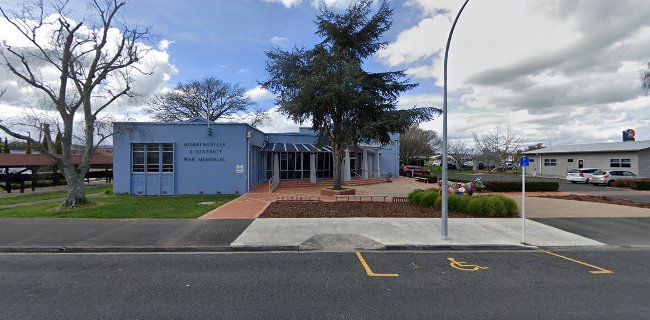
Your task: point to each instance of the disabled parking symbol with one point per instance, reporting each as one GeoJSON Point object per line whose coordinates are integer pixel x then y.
{"type": "Point", "coordinates": [464, 266]}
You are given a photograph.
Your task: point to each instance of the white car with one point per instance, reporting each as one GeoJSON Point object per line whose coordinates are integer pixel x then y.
{"type": "Point", "coordinates": [580, 175]}
{"type": "Point", "coordinates": [436, 163]}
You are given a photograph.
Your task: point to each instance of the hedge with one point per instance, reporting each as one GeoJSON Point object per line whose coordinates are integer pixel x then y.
{"type": "Point", "coordinates": [482, 206]}
{"type": "Point", "coordinates": [622, 183]}
{"type": "Point", "coordinates": [430, 178]}
{"type": "Point", "coordinates": [514, 186]}
{"type": "Point", "coordinates": [449, 179]}
{"type": "Point", "coordinates": [640, 184]}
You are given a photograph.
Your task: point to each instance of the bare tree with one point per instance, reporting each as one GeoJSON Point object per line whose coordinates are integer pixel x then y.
{"type": "Point", "coordinates": [93, 66]}
{"type": "Point", "coordinates": [257, 117]}
{"type": "Point", "coordinates": [645, 80]}
{"type": "Point", "coordinates": [497, 145]}
{"type": "Point", "coordinates": [209, 98]}
{"type": "Point", "coordinates": [2, 92]}
{"type": "Point", "coordinates": [459, 150]}
{"type": "Point", "coordinates": [417, 143]}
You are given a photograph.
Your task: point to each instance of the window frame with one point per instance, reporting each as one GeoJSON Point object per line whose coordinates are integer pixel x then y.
{"type": "Point", "coordinates": [548, 162]}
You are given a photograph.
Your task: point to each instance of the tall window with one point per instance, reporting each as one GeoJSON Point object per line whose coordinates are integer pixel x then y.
{"type": "Point", "coordinates": [167, 157]}
{"type": "Point", "coordinates": [152, 157]}
{"type": "Point", "coordinates": [138, 157]}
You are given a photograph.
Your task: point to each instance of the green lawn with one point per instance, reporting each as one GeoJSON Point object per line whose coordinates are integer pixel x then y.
{"type": "Point", "coordinates": [125, 206]}
{"type": "Point", "coordinates": [29, 197]}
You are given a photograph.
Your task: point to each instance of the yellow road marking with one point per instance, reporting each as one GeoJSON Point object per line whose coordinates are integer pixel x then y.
{"type": "Point", "coordinates": [464, 266]}
{"type": "Point", "coordinates": [369, 271]}
{"type": "Point", "coordinates": [600, 270]}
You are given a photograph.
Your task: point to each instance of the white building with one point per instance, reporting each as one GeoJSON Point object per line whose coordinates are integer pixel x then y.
{"type": "Point", "coordinates": [633, 156]}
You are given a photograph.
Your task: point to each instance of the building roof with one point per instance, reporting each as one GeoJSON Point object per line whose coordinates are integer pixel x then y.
{"type": "Point", "coordinates": [293, 147]}
{"type": "Point", "coordinates": [41, 160]}
{"type": "Point", "coordinates": [627, 146]}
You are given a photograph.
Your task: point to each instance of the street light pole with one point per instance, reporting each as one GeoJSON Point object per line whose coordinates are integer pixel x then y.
{"type": "Point", "coordinates": [445, 175]}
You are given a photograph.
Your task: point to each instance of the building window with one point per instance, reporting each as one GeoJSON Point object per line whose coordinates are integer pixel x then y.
{"type": "Point", "coordinates": [152, 157]}
{"type": "Point", "coordinates": [532, 159]}
{"type": "Point", "coordinates": [550, 162]}
{"type": "Point", "coordinates": [167, 157]}
{"type": "Point", "coordinates": [569, 160]}
{"type": "Point", "coordinates": [138, 157]}
{"type": "Point", "coordinates": [626, 163]}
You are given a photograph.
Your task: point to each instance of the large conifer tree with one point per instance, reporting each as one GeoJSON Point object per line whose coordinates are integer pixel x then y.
{"type": "Point", "coordinates": [327, 85]}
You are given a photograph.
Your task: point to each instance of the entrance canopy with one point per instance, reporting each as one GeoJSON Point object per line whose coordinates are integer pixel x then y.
{"type": "Point", "coordinates": [294, 147]}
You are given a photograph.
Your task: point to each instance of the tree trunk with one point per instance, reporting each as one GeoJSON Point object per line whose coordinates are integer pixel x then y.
{"type": "Point", "coordinates": [336, 162]}
{"type": "Point", "coordinates": [76, 191]}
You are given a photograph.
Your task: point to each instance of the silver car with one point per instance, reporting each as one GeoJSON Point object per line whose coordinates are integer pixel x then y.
{"type": "Point", "coordinates": [608, 177]}
{"type": "Point", "coordinates": [580, 175]}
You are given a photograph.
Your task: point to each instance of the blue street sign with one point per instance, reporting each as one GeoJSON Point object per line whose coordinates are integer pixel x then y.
{"type": "Point", "coordinates": [524, 161]}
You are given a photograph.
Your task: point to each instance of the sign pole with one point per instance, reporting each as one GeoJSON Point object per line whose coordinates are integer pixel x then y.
{"type": "Point", "coordinates": [523, 202]}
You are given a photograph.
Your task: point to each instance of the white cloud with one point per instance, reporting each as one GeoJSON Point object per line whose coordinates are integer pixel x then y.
{"type": "Point", "coordinates": [278, 122]}
{"type": "Point", "coordinates": [278, 41]}
{"type": "Point", "coordinates": [339, 4]}
{"type": "Point", "coordinates": [258, 94]}
{"type": "Point", "coordinates": [561, 69]}
{"type": "Point", "coordinates": [244, 70]}
{"type": "Point", "coordinates": [286, 3]}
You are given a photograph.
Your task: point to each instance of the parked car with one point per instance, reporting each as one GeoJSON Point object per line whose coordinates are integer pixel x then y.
{"type": "Point", "coordinates": [580, 175]}
{"type": "Point", "coordinates": [485, 165]}
{"type": "Point", "coordinates": [436, 163]}
{"type": "Point", "coordinates": [411, 171]}
{"type": "Point", "coordinates": [608, 177]}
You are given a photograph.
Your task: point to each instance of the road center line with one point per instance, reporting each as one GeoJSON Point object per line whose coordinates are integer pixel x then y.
{"type": "Point", "coordinates": [600, 270]}
{"type": "Point", "coordinates": [369, 271]}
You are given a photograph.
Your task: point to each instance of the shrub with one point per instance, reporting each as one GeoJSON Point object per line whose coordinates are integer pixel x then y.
{"type": "Point", "coordinates": [514, 186]}
{"type": "Point", "coordinates": [491, 206]}
{"type": "Point", "coordinates": [640, 184]}
{"type": "Point", "coordinates": [429, 198]}
{"type": "Point", "coordinates": [622, 183]}
{"type": "Point", "coordinates": [414, 196]}
{"type": "Point", "coordinates": [424, 198]}
{"type": "Point", "coordinates": [457, 203]}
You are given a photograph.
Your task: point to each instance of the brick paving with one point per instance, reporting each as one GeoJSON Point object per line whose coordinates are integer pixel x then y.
{"type": "Point", "coordinates": [253, 203]}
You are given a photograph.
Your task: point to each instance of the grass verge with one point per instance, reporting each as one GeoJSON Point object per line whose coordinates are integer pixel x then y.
{"type": "Point", "coordinates": [124, 207]}
{"type": "Point", "coordinates": [30, 197]}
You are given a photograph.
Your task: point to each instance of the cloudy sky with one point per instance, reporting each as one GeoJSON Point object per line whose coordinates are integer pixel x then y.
{"type": "Point", "coordinates": [565, 71]}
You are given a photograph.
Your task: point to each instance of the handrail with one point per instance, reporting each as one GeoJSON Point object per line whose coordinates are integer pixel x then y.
{"type": "Point", "coordinates": [274, 183]}
{"type": "Point", "coordinates": [380, 173]}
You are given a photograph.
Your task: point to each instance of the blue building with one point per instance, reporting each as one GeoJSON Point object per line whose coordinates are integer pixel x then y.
{"type": "Point", "coordinates": [197, 156]}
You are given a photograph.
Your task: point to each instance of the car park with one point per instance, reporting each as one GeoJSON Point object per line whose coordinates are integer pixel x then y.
{"type": "Point", "coordinates": [610, 176]}
{"type": "Point", "coordinates": [411, 171]}
{"type": "Point", "coordinates": [580, 175]}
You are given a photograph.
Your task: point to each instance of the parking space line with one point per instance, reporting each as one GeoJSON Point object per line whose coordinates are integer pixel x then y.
{"type": "Point", "coordinates": [369, 271]}
{"type": "Point", "coordinates": [600, 270]}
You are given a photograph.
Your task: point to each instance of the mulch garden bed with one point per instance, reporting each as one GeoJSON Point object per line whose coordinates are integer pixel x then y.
{"type": "Point", "coordinates": [345, 209]}
{"type": "Point", "coordinates": [599, 199]}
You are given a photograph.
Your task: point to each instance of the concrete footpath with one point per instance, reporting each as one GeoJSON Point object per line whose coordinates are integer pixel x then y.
{"type": "Point", "coordinates": [403, 233]}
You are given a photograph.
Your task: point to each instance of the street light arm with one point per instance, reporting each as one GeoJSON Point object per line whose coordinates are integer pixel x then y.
{"type": "Point", "coordinates": [445, 173]}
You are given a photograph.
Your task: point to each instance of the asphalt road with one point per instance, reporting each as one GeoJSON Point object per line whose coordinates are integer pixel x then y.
{"type": "Point", "coordinates": [120, 232]}
{"type": "Point", "coordinates": [611, 231]}
{"type": "Point", "coordinates": [513, 285]}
